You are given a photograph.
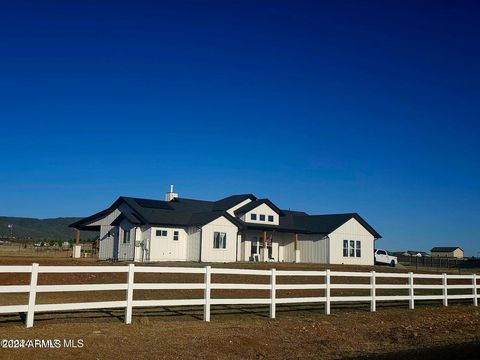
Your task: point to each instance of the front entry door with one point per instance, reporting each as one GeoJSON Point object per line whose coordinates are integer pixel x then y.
{"type": "Point", "coordinates": [280, 253]}
{"type": "Point", "coordinates": [115, 238]}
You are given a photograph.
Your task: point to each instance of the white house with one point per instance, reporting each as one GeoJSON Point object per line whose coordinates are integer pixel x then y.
{"type": "Point", "coordinates": [236, 228]}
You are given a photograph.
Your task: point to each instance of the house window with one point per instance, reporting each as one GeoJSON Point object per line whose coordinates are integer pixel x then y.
{"type": "Point", "coordinates": [270, 218]}
{"type": "Point", "coordinates": [352, 248]}
{"type": "Point", "coordinates": [253, 216]}
{"type": "Point", "coordinates": [175, 235]}
{"type": "Point", "coordinates": [219, 240]}
{"type": "Point", "coordinates": [262, 217]}
{"type": "Point", "coordinates": [162, 233]}
{"type": "Point", "coordinates": [126, 236]}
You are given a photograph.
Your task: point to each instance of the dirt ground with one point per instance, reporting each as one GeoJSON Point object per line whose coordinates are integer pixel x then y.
{"type": "Point", "coordinates": [303, 334]}
{"type": "Point", "coordinates": [236, 332]}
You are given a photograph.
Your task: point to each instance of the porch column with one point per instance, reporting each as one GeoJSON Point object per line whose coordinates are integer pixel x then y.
{"type": "Point", "coordinates": [77, 248]}
{"type": "Point", "coordinates": [297, 250]}
{"type": "Point", "coordinates": [265, 250]}
{"type": "Point", "coordinates": [245, 251]}
{"type": "Point", "coordinates": [137, 253]}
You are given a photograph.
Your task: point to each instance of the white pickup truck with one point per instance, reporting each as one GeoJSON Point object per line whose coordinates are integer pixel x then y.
{"type": "Point", "coordinates": [382, 257]}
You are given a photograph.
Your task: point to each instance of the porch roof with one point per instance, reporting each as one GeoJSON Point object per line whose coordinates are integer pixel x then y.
{"type": "Point", "coordinates": [312, 224]}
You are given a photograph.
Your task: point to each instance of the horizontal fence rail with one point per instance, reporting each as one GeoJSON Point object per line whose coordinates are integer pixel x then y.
{"type": "Point", "coordinates": [408, 282]}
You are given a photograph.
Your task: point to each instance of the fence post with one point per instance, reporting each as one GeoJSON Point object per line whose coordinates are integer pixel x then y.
{"type": "Point", "coordinates": [32, 295]}
{"type": "Point", "coordinates": [445, 291]}
{"type": "Point", "coordinates": [206, 293]}
{"type": "Point", "coordinates": [411, 291]}
{"type": "Point", "coordinates": [373, 304]}
{"type": "Point", "coordinates": [327, 292]}
{"type": "Point", "coordinates": [130, 281]}
{"type": "Point", "coordinates": [475, 293]}
{"type": "Point", "coordinates": [273, 292]}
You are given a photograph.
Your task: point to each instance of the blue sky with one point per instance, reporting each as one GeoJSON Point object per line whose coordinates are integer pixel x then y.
{"type": "Point", "coordinates": [366, 106]}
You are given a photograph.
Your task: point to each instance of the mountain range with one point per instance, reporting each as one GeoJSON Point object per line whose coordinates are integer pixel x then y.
{"type": "Point", "coordinates": [56, 228]}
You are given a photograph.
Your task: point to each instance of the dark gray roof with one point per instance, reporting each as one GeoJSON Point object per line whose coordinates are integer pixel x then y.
{"type": "Point", "coordinates": [314, 224]}
{"type": "Point", "coordinates": [180, 211]}
{"type": "Point", "coordinates": [445, 248]}
{"type": "Point", "coordinates": [231, 201]}
{"type": "Point", "coordinates": [294, 213]}
{"type": "Point", "coordinates": [131, 217]}
{"type": "Point", "coordinates": [325, 224]}
{"type": "Point", "coordinates": [190, 212]}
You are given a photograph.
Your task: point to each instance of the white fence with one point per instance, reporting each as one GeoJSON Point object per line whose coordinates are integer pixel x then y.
{"type": "Point", "coordinates": [408, 283]}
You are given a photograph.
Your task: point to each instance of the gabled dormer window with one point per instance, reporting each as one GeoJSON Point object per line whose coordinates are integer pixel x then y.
{"type": "Point", "coordinates": [161, 233]}
{"type": "Point", "coordinates": [270, 218]}
{"type": "Point", "coordinates": [253, 216]}
{"type": "Point", "coordinates": [262, 217]}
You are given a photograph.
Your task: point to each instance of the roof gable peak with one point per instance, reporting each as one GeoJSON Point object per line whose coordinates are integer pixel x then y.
{"type": "Point", "coordinates": [256, 203]}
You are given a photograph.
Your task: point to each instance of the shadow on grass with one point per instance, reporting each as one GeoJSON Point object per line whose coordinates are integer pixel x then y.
{"type": "Point", "coordinates": [466, 351]}
{"type": "Point", "coordinates": [220, 312]}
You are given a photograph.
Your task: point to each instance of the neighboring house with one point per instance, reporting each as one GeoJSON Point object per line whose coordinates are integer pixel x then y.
{"type": "Point", "coordinates": [424, 254]}
{"type": "Point", "coordinates": [453, 252]}
{"type": "Point", "coordinates": [412, 253]}
{"type": "Point", "coordinates": [236, 228]}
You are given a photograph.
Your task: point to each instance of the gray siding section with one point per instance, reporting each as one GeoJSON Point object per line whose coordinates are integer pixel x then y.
{"type": "Point", "coordinates": [288, 250]}
{"type": "Point", "coordinates": [107, 243]}
{"type": "Point", "coordinates": [111, 245]}
{"type": "Point", "coordinates": [105, 250]}
{"type": "Point", "coordinates": [193, 243]}
{"type": "Point", "coordinates": [286, 242]}
{"type": "Point", "coordinates": [313, 249]}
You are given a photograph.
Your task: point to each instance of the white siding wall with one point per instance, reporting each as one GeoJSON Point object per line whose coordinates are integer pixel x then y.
{"type": "Point", "coordinates": [262, 209]}
{"type": "Point", "coordinates": [351, 230]}
{"type": "Point", "coordinates": [209, 254]}
{"type": "Point", "coordinates": [164, 248]}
